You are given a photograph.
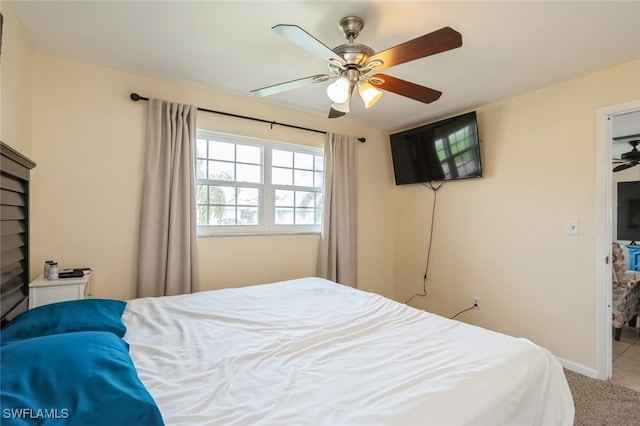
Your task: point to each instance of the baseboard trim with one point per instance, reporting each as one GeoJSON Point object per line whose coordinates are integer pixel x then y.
{"type": "Point", "coordinates": [579, 368]}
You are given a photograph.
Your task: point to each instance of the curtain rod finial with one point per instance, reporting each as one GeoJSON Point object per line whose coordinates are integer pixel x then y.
{"type": "Point", "coordinates": [362, 140]}
{"type": "Point", "coordinates": [134, 97]}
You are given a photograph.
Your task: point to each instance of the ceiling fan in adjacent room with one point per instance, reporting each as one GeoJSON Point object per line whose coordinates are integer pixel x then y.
{"type": "Point", "coordinates": [628, 159]}
{"type": "Point", "coordinates": [350, 65]}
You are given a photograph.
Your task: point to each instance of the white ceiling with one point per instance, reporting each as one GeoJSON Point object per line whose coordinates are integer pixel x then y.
{"type": "Point", "coordinates": [508, 47]}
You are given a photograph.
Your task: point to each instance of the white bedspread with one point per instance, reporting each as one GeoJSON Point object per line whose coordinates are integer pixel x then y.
{"type": "Point", "coordinates": [311, 352]}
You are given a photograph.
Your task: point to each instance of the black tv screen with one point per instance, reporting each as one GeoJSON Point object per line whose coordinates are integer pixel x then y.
{"type": "Point", "coordinates": [629, 211]}
{"type": "Point", "coordinates": [442, 151]}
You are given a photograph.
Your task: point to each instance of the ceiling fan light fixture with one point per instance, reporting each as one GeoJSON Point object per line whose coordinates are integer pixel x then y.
{"type": "Point", "coordinates": [369, 94]}
{"type": "Point", "coordinates": [342, 107]}
{"type": "Point", "coordinates": [338, 91]}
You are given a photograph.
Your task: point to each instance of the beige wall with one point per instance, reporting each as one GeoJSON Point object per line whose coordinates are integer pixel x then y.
{"type": "Point", "coordinates": [88, 141]}
{"type": "Point", "coordinates": [16, 83]}
{"type": "Point", "coordinates": [502, 238]}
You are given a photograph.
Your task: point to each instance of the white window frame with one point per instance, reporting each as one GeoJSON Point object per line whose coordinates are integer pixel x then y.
{"type": "Point", "coordinates": [266, 190]}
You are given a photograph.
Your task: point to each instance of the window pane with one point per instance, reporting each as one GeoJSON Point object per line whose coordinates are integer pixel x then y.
{"type": "Point", "coordinates": [319, 163]}
{"type": "Point", "coordinates": [203, 215]}
{"type": "Point", "coordinates": [201, 169]}
{"type": "Point", "coordinates": [284, 198]}
{"type": "Point", "coordinates": [282, 158]}
{"type": "Point", "coordinates": [284, 216]}
{"type": "Point", "coordinates": [318, 179]}
{"type": "Point", "coordinates": [201, 148]}
{"type": "Point", "coordinates": [280, 176]}
{"type": "Point", "coordinates": [215, 214]}
{"type": "Point", "coordinates": [248, 173]}
{"type": "Point", "coordinates": [248, 216]}
{"type": "Point", "coordinates": [220, 170]}
{"type": "Point", "coordinates": [302, 178]}
{"type": "Point", "coordinates": [249, 154]}
{"type": "Point", "coordinates": [202, 194]}
{"type": "Point", "coordinates": [248, 196]}
{"type": "Point", "coordinates": [222, 216]}
{"type": "Point", "coordinates": [303, 161]}
{"type": "Point", "coordinates": [221, 195]}
{"type": "Point", "coordinates": [305, 216]}
{"type": "Point", "coordinates": [222, 150]}
{"type": "Point", "coordinates": [305, 199]}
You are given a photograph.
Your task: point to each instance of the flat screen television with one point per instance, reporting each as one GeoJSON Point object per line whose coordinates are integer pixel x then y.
{"type": "Point", "coordinates": [629, 211]}
{"type": "Point", "coordinates": [442, 151]}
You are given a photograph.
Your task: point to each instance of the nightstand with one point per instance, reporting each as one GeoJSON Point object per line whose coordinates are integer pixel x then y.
{"type": "Point", "coordinates": [43, 291]}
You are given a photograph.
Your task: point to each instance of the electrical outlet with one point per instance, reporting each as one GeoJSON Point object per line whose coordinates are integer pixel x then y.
{"type": "Point", "coordinates": [573, 227]}
{"type": "Point", "coordinates": [476, 302]}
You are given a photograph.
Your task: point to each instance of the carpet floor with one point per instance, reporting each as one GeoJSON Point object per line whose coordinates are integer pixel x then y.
{"type": "Point", "coordinates": [601, 403]}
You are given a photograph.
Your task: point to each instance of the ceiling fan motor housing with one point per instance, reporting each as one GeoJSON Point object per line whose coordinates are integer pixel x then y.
{"type": "Point", "coordinates": [634, 154]}
{"type": "Point", "coordinates": [354, 53]}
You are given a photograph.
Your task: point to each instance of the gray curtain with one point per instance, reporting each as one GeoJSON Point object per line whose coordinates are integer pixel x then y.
{"type": "Point", "coordinates": [337, 257]}
{"type": "Point", "coordinates": [167, 253]}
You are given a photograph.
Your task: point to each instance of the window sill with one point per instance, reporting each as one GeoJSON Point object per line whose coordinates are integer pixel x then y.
{"type": "Point", "coordinates": [258, 234]}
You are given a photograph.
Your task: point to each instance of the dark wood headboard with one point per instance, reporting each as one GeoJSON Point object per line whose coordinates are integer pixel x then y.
{"type": "Point", "coordinates": [14, 232]}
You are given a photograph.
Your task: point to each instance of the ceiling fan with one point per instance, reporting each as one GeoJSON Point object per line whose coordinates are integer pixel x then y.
{"type": "Point", "coordinates": [350, 65]}
{"type": "Point", "coordinates": [629, 159]}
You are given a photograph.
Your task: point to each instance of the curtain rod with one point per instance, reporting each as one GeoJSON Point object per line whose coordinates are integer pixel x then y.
{"type": "Point", "coordinates": [135, 97]}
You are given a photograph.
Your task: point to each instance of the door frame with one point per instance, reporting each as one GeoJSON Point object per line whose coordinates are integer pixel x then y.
{"type": "Point", "coordinates": [604, 234]}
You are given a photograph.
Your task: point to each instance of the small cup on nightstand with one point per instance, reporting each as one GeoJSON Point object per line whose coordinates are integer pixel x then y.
{"type": "Point", "coordinates": [47, 266]}
{"type": "Point", "coordinates": [53, 271]}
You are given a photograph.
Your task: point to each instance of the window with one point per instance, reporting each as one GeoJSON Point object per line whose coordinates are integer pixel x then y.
{"type": "Point", "coordinates": [250, 186]}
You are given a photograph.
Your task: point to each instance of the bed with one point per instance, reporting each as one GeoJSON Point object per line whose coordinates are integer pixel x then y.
{"type": "Point", "coordinates": [298, 352]}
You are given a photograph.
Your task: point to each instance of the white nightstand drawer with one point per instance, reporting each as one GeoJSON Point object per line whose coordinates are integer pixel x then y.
{"type": "Point", "coordinates": [43, 291]}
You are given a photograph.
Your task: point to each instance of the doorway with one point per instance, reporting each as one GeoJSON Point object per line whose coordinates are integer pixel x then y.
{"type": "Point", "coordinates": [604, 233]}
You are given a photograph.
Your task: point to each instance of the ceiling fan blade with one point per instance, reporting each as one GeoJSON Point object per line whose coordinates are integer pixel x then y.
{"type": "Point", "coordinates": [297, 35]}
{"type": "Point", "coordinates": [334, 113]}
{"type": "Point", "coordinates": [290, 85]}
{"type": "Point", "coordinates": [429, 44]}
{"type": "Point", "coordinates": [624, 166]}
{"type": "Point", "coordinates": [619, 138]}
{"type": "Point", "coordinates": [406, 88]}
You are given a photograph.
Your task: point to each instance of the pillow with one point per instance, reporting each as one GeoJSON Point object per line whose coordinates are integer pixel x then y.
{"type": "Point", "coordinates": [83, 378]}
{"type": "Point", "coordinates": [65, 317]}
